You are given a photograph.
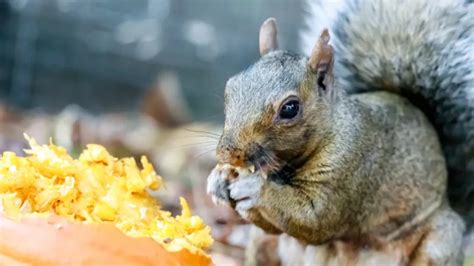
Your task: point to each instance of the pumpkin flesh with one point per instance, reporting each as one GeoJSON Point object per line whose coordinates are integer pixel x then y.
{"type": "Point", "coordinates": [54, 208]}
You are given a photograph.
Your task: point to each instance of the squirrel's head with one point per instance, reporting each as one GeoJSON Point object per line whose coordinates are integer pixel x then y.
{"type": "Point", "coordinates": [278, 111]}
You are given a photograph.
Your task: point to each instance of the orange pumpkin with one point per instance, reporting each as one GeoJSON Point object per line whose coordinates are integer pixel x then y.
{"type": "Point", "coordinates": [56, 241]}
{"type": "Point", "coordinates": [94, 210]}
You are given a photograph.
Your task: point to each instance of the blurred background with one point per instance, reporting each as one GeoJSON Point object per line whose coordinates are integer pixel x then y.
{"type": "Point", "coordinates": [140, 77]}
{"type": "Point", "coordinates": [104, 54]}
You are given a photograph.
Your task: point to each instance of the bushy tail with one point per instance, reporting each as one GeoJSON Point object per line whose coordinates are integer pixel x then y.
{"type": "Point", "coordinates": [422, 49]}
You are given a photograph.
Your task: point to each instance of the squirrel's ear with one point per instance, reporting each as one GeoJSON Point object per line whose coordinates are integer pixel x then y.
{"type": "Point", "coordinates": [321, 61]}
{"type": "Point", "coordinates": [268, 36]}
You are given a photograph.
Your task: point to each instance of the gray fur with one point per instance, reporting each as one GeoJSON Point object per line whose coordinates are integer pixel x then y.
{"type": "Point", "coordinates": [422, 49]}
{"type": "Point", "coordinates": [364, 168]}
{"type": "Point", "coordinates": [273, 75]}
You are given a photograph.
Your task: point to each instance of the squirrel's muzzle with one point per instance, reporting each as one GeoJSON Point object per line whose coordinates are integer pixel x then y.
{"type": "Point", "coordinates": [232, 156]}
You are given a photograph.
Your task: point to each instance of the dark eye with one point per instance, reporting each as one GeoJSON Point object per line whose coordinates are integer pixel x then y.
{"type": "Point", "coordinates": [290, 109]}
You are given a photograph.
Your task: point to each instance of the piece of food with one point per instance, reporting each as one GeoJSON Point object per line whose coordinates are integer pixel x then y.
{"type": "Point", "coordinates": [233, 172]}
{"type": "Point", "coordinates": [51, 201]}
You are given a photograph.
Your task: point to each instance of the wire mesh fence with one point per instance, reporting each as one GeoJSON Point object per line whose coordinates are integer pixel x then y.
{"type": "Point", "coordinates": [103, 54]}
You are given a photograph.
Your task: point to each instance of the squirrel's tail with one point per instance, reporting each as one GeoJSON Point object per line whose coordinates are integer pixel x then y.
{"type": "Point", "coordinates": [421, 49]}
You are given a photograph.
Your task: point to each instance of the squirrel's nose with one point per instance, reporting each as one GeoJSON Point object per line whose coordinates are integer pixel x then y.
{"type": "Point", "coordinates": [232, 156]}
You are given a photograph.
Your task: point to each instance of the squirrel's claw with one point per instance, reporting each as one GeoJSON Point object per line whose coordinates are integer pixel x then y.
{"type": "Point", "coordinates": [218, 187]}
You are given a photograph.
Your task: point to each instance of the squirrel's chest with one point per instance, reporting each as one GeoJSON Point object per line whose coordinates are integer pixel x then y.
{"type": "Point", "coordinates": [337, 253]}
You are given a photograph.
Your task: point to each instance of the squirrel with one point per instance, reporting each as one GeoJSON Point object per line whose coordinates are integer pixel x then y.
{"type": "Point", "coordinates": [361, 153]}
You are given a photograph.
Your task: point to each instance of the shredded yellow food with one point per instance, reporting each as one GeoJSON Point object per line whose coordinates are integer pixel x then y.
{"type": "Point", "coordinates": [95, 188]}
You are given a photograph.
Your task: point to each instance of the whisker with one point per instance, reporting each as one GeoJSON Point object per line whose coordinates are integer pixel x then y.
{"type": "Point", "coordinates": [218, 95]}
{"type": "Point", "coordinates": [197, 144]}
{"type": "Point", "coordinates": [201, 153]}
{"type": "Point", "coordinates": [273, 161]}
{"type": "Point", "coordinates": [191, 145]}
{"type": "Point", "coordinates": [272, 166]}
{"type": "Point", "coordinates": [203, 132]}
{"type": "Point", "coordinates": [204, 136]}
{"type": "Point", "coordinates": [213, 116]}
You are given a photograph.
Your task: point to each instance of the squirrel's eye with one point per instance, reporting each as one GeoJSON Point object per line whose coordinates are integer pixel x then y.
{"type": "Point", "coordinates": [289, 110]}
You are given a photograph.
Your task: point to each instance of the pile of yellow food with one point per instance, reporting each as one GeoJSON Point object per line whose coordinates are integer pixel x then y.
{"type": "Point", "coordinates": [95, 188]}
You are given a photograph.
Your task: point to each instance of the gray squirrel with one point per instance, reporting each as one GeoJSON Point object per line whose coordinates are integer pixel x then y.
{"type": "Point", "coordinates": [363, 152]}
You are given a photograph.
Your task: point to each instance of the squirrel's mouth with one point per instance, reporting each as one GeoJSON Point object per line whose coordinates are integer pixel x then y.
{"type": "Point", "coordinates": [279, 173]}
{"type": "Point", "coordinates": [262, 162]}
{"type": "Point", "coordinates": [272, 167]}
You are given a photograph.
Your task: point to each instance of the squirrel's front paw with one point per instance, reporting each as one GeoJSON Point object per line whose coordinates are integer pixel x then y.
{"type": "Point", "coordinates": [246, 192]}
{"type": "Point", "coordinates": [218, 187]}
